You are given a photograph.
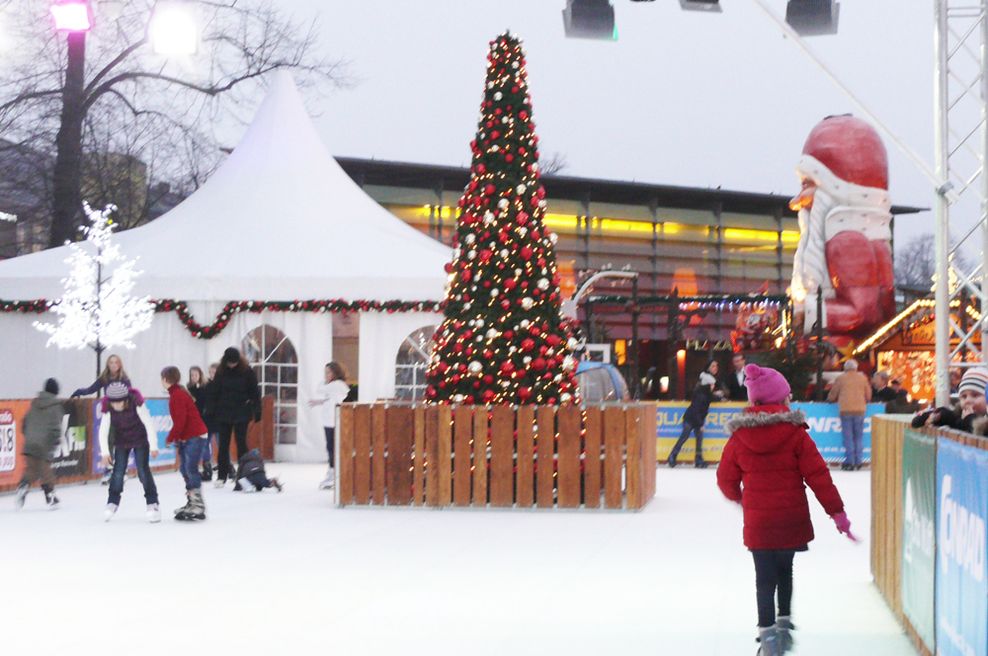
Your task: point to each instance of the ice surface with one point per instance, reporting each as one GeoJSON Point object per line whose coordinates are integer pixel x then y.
{"type": "Point", "coordinates": [291, 574]}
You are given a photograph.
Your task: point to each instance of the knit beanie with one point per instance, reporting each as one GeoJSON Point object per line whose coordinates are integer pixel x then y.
{"type": "Point", "coordinates": [51, 386]}
{"type": "Point", "coordinates": [117, 391]}
{"type": "Point", "coordinates": [974, 379]}
{"type": "Point", "coordinates": [230, 356]}
{"type": "Point", "coordinates": [765, 385]}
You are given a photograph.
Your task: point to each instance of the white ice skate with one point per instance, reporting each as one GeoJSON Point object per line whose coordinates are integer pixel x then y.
{"type": "Point", "coordinates": [153, 513]}
{"type": "Point", "coordinates": [329, 481]}
{"type": "Point", "coordinates": [109, 511]}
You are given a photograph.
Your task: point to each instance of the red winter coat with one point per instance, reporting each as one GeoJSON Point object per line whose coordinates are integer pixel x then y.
{"type": "Point", "coordinates": [186, 421]}
{"type": "Point", "coordinates": [765, 464]}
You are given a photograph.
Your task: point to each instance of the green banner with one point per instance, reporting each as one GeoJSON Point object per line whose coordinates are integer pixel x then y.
{"type": "Point", "coordinates": [919, 486]}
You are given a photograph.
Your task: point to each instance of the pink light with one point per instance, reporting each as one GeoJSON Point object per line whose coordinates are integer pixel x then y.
{"type": "Point", "coordinates": [72, 16]}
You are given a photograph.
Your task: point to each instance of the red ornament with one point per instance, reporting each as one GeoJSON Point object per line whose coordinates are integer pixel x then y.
{"type": "Point", "coordinates": [538, 364]}
{"type": "Point", "coordinates": [524, 393]}
{"type": "Point", "coordinates": [526, 253]}
{"type": "Point", "coordinates": [510, 284]}
{"type": "Point", "coordinates": [489, 189]}
{"type": "Point", "coordinates": [527, 344]}
{"type": "Point", "coordinates": [488, 396]}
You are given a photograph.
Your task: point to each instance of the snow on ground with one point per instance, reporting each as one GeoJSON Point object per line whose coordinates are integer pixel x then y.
{"type": "Point", "coordinates": [291, 574]}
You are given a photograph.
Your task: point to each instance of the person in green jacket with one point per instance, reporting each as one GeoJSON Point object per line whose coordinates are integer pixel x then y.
{"type": "Point", "coordinates": [42, 430]}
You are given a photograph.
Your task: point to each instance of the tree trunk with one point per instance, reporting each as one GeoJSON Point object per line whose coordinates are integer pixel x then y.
{"type": "Point", "coordinates": [67, 179]}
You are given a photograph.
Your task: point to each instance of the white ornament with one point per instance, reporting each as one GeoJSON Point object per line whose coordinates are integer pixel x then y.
{"type": "Point", "coordinates": [524, 324]}
{"type": "Point", "coordinates": [479, 323]}
{"type": "Point", "coordinates": [100, 314]}
{"type": "Point", "coordinates": [512, 348]}
{"type": "Point", "coordinates": [490, 85]}
{"type": "Point", "coordinates": [527, 359]}
{"type": "Point", "coordinates": [478, 338]}
{"type": "Point", "coordinates": [458, 398]}
{"type": "Point", "coordinates": [543, 284]}
{"type": "Point", "coordinates": [494, 292]}
{"type": "Point", "coordinates": [553, 237]}
{"type": "Point", "coordinates": [565, 397]}
{"type": "Point", "coordinates": [569, 362]}
{"type": "Point", "coordinates": [488, 217]}
{"type": "Point", "coordinates": [467, 305]}
{"type": "Point", "coordinates": [471, 254]}
{"type": "Point", "coordinates": [571, 343]}
{"type": "Point", "coordinates": [504, 120]}
{"type": "Point", "coordinates": [475, 367]}
{"type": "Point", "coordinates": [495, 148]}
{"type": "Point", "coordinates": [505, 253]}
{"type": "Point", "coordinates": [535, 167]}
{"type": "Point", "coordinates": [527, 303]}
{"type": "Point", "coordinates": [517, 272]}
{"type": "Point", "coordinates": [491, 333]}
{"type": "Point", "coordinates": [520, 189]}
{"type": "Point", "coordinates": [503, 204]}
{"type": "Point", "coordinates": [543, 204]}
{"type": "Point", "coordinates": [522, 231]}
{"type": "Point", "coordinates": [469, 238]}
{"type": "Point", "coordinates": [498, 95]}
{"type": "Point", "coordinates": [514, 64]}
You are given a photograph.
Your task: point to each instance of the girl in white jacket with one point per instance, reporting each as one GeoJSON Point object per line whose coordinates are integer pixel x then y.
{"type": "Point", "coordinates": [328, 397]}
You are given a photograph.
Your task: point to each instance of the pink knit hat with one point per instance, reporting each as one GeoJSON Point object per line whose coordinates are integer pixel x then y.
{"type": "Point", "coordinates": [765, 385]}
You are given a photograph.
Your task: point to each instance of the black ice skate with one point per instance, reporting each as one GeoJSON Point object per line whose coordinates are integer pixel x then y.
{"type": "Point", "coordinates": [51, 500]}
{"type": "Point", "coordinates": [22, 491]}
{"type": "Point", "coordinates": [194, 510]}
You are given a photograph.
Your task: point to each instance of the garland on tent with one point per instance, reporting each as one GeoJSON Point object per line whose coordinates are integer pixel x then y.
{"type": "Point", "coordinates": [337, 306]}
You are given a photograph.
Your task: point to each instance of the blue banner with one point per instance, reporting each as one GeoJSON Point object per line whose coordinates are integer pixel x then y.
{"type": "Point", "coordinates": [162, 420]}
{"type": "Point", "coordinates": [823, 420]}
{"type": "Point", "coordinates": [962, 586]}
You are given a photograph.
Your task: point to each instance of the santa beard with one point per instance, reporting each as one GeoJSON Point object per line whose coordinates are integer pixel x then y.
{"type": "Point", "coordinates": [809, 269]}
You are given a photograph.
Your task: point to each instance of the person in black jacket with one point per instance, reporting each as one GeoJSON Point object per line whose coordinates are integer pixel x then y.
{"type": "Point", "coordinates": [232, 400]}
{"type": "Point", "coordinates": [250, 471]}
{"type": "Point", "coordinates": [694, 418]}
{"type": "Point", "coordinates": [734, 380]}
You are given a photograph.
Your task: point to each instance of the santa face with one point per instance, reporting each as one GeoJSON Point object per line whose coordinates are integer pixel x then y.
{"type": "Point", "coordinates": [804, 199]}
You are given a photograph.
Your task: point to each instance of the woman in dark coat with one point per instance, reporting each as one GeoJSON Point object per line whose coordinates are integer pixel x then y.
{"type": "Point", "coordinates": [694, 418]}
{"type": "Point", "coordinates": [233, 399]}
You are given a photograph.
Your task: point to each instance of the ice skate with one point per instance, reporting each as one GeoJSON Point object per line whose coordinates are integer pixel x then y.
{"type": "Point", "coordinates": [184, 507]}
{"type": "Point", "coordinates": [22, 491]}
{"type": "Point", "coordinates": [330, 480]}
{"type": "Point", "coordinates": [51, 500]}
{"type": "Point", "coordinates": [277, 484]}
{"type": "Point", "coordinates": [700, 464]}
{"type": "Point", "coordinates": [109, 511]}
{"type": "Point", "coordinates": [218, 483]}
{"type": "Point", "coordinates": [770, 644]}
{"type": "Point", "coordinates": [194, 510]}
{"type": "Point", "coordinates": [153, 513]}
{"type": "Point", "coordinates": [784, 628]}
{"type": "Point", "coordinates": [106, 477]}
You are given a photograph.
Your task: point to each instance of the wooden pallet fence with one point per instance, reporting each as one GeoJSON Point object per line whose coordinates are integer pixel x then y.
{"type": "Point", "coordinates": [497, 456]}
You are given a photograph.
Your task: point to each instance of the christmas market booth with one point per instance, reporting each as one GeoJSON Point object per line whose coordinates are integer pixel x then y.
{"type": "Point", "coordinates": [279, 254]}
{"type": "Point", "coordinates": [905, 346]}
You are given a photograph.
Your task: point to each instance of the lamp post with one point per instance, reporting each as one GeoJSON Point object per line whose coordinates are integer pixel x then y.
{"type": "Point", "coordinates": [172, 31]}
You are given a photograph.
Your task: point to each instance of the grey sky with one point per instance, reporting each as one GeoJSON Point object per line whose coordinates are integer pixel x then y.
{"type": "Point", "coordinates": [681, 98]}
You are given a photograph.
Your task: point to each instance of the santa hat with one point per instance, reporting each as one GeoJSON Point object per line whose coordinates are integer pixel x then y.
{"type": "Point", "coordinates": [849, 149]}
{"type": "Point", "coordinates": [974, 379]}
{"type": "Point", "coordinates": [765, 385]}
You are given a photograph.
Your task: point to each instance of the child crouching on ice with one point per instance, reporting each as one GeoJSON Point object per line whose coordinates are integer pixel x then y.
{"type": "Point", "coordinates": [765, 464]}
{"type": "Point", "coordinates": [250, 471]}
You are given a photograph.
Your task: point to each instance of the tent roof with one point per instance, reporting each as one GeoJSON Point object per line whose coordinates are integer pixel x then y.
{"type": "Point", "coordinates": [279, 220]}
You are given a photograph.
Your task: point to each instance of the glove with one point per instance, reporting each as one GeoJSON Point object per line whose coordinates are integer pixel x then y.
{"type": "Point", "coordinates": [843, 525]}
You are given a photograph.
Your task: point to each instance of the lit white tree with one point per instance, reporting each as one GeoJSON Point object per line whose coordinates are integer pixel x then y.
{"type": "Point", "coordinates": [96, 309]}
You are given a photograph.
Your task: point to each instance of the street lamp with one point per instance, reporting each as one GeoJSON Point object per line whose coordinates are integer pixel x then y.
{"type": "Point", "coordinates": [72, 15]}
{"type": "Point", "coordinates": [173, 29]}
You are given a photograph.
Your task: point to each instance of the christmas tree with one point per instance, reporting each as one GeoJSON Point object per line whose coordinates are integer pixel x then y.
{"type": "Point", "coordinates": [503, 339]}
{"type": "Point", "coordinates": [96, 309]}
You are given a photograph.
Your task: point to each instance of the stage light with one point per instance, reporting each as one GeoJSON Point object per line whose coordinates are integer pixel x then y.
{"type": "Point", "coordinates": [589, 19]}
{"type": "Point", "coordinates": [813, 17]}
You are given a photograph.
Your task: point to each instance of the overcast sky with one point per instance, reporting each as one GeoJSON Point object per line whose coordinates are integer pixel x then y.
{"type": "Point", "coordinates": [685, 98]}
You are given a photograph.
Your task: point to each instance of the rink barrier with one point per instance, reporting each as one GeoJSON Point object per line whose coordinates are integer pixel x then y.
{"type": "Point", "coordinates": [259, 435]}
{"type": "Point", "coordinates": [496, 456]}
{"type": "Point", "coordinates": [889, 527]}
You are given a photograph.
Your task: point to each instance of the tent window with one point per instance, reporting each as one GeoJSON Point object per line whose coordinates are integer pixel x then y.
{"type": "Point", "coordinates": [411, 363]}
{"type": "Point", "coordinates": [272, 357]}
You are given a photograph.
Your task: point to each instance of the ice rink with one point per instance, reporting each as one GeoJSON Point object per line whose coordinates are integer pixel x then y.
{"type": "Point", "coordinates": [288, 573]}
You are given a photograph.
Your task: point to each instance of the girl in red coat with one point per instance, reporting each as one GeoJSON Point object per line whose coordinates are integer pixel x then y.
{"type": "Point", "coordinates": [189, 434]}
{"type": "Point", "coordinates": [765, 464]}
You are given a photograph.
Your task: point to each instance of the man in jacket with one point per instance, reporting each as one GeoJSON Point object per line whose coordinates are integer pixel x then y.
{"type": "Point", "coordinates": [734, 382]}
{"type": "Point", "coordinates": [851, 392]}
{"type": "Point", "coordinates": [42, 430]}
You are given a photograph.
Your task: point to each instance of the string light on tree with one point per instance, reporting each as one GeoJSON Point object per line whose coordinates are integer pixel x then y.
{"type": "Point", "coordinates": [503, 339]}
{"type": "Point", "coordinates": [97, 309]}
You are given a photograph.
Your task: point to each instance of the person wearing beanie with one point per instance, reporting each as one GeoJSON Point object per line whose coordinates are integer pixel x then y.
{"type": "Point", "coordinates": [970, 409]}
{"type": "Point", "coordinates": [42, 431]}
{"type": "Point", "coordinates": [128, 418]}
{"type": "Point", "coordinates": [767, 463]}
{"type": "Point", "coordinates": [851, 392]}
{"type": "Point", "coordinates": [232, 400]}
{"type": "Point", "coordinates": [696, 415]}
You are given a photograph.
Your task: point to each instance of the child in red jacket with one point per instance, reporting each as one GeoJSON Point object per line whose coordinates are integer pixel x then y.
{"type": "Point", "coordinates": [765, 464]}
{"type": "Point", "coordinates": [190, 436]}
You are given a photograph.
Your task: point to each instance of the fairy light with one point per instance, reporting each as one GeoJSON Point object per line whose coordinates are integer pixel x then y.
{"type": "Point", "coordinates": [503, 338]}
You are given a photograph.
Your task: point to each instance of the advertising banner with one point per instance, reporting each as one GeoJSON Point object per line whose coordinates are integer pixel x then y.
{"type": "Point", "coordinates": [823, 420]}
{"type": "Point", "coordinates": [70, 455]}
{"type": "Point", "coordinates": [919, 483]}
{"type": "Point", "coordinates": [11, 441]}
{"type": "Point", "coordinates": [962, 584]}
{"type": "Point", "coordinates": [162, 421]}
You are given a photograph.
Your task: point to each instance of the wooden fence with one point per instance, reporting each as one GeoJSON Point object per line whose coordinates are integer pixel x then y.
{"type": "Point", "coordinates": [888, 435]}
{"type": "Point", "coordinates": [502, 456]}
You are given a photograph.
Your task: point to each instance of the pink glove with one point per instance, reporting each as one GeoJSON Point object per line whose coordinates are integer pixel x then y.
{"type": "Point", "coordinates": [843, 525]}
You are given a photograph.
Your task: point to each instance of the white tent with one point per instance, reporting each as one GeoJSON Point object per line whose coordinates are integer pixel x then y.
{"type": "Point", "coordinates": [279, 221]}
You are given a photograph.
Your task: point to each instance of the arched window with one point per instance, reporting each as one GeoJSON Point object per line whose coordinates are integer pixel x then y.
{"type": "Point", "coordinates": [273, 358]}
{"type": "Point", "coordinates": [411, 363]}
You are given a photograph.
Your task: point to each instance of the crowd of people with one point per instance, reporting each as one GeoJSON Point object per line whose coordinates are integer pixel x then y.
{"type": "Point", "coordinates": [208, 414]}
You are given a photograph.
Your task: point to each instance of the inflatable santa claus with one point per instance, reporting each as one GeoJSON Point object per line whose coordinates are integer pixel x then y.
{"type": "Point", "coordinates": [844, 230]}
